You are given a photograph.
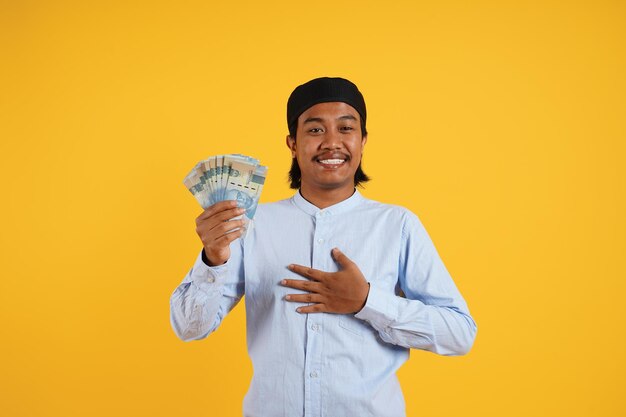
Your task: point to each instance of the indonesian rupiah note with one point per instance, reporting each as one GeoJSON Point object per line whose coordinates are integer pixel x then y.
{"type": "Point", "coordinates": [228, 177]}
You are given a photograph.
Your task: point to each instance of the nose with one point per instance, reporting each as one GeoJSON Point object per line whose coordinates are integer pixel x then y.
{"type": "Point", "coordinates": [331, 140]}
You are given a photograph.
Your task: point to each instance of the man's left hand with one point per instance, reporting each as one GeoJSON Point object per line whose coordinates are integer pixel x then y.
{"type": "Point", "coordinates": [340, 292]}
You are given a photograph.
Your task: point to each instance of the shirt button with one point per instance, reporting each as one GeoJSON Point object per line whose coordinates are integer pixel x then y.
{"type": "Point", "coordinates": [210, 279]}
{"type": "Point", "coordinates": [320, 240]}
{"type": "Point", "coordinates": [313, 374]}
{"type": "Point", "coordinates": [315, 327]}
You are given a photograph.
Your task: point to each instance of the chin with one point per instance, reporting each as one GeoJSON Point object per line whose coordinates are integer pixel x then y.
{"type": "Point", "coordinates": [332, 185]}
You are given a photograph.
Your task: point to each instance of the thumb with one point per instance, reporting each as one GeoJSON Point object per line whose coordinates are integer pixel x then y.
{"type": "Point", "coordinates": [341, 259]}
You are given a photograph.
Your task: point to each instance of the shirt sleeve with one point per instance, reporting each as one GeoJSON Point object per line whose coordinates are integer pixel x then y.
{"type": "Point", "coordinates": [432, 315]}
{"type": "Point", "coordinates": [206, 294]}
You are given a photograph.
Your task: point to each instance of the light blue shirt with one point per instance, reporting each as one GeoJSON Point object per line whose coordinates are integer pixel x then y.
{"type": "Point", "coordinates": [331, 365]}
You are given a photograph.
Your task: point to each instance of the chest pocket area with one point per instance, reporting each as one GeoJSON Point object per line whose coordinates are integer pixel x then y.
{"type": "Point", "coordinates": [353, 325]}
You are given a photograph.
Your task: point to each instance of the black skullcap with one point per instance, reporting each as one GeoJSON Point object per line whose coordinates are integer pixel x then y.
{"type": "Point", "coordinates": [323, 90]}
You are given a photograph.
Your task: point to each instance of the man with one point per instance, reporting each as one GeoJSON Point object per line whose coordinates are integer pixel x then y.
{"type": "Point", "coordinates": [338, 287]}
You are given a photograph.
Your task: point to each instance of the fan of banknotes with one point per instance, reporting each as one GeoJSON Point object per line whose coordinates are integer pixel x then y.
{"type": "Point", "coordinates": [227, 177]}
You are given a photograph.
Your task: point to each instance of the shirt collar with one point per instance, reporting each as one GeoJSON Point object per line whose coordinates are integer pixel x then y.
{"type": "Point", "coordinates": [349, 203]}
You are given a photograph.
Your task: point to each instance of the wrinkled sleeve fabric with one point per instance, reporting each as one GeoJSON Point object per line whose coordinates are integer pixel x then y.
{"type": "Point", "coordinates": [206, 294]}
{"type": "Point", "coordinates": [432, 315]}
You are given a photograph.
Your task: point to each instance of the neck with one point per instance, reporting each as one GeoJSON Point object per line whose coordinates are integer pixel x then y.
{"type": "Point", "coordinates": [326, 198]}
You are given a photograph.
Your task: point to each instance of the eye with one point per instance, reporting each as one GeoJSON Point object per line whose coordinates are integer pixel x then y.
{"type": "Point", "coordinates": [316, 130]}
{"type": "Point", "coordinates": [346, 128]}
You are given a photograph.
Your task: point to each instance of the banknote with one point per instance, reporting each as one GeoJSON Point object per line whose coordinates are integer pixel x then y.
{"type": "Point", "coordinates": [228, 177]}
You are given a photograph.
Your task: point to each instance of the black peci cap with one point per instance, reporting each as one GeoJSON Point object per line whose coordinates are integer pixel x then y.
{"type": "Point", "coordinates": [323, 90]}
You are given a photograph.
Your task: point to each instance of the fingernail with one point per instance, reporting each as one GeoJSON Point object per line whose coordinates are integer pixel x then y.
{"type": "Point", "coordinates": [287, 297]}
{"type": "Point", "coordinates": [299, 310]}
{"type": "Point", "coordinates": [290, 266]}
{"type": "Point", "coordinates": [283, 282]}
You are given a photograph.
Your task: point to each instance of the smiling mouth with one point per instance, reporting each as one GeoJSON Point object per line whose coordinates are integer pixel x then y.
{"type": "Point", "coordinates": [331, 163]}
{"type": "Point", "coordinates": [332, 160]}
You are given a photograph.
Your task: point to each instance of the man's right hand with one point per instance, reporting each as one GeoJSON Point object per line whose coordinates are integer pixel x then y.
{"type": "Point", "coordinates": [213, 227]}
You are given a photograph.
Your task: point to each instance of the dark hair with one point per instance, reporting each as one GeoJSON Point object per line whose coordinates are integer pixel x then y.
{"type": "Point", "coordinates": [295, 174]}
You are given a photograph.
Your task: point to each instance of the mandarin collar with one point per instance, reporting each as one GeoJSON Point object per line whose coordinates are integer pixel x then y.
{"type": "Point", "coordinates": [349, 203]}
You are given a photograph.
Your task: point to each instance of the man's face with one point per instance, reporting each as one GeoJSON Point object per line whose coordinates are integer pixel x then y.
{"type": "Point", "coordinates": [328, 146]}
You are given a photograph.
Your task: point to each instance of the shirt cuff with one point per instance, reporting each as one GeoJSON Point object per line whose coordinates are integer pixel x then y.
{"type": "Point", "coordinates": [378, 309]}
{"type": "Point", "coordinates": [204, 274]}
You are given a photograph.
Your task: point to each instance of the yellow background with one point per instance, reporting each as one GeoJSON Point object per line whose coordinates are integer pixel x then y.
{"type": "Point", "coordinates": [501, 124]}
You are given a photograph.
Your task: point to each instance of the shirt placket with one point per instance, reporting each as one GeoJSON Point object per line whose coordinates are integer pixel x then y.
{"type": "Point", "coordinates": [314, 345]}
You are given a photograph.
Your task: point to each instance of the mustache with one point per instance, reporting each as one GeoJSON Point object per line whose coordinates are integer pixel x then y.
{"type": "Point", "coordinates": [332, 155]}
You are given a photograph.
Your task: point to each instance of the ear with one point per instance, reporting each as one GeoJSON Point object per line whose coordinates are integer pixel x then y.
{"type": "Point", "coordinates": [291, 144]}
{"type": "Point", "coordinates": [363, 141]}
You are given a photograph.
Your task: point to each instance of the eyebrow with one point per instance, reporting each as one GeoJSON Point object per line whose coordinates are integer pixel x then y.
{"type": "Point", "coordinates": [320, 120]}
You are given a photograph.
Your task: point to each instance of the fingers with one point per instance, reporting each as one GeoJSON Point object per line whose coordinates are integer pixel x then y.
{"type": "Point", "coordinates": [304, 298]}
{"type": "Point", "coordinates": [314, 274]}
{"type": "Point", "coordinates": [341, 292]}
{"type": "Point", "coordinates": [226, 227]}
{"type": "Point", "coordinates": [218, 217]}
{"type": "Point", "coordinates": [217, 232]}
{"type": "Point", "coordinates": [226, 215]}
{"type": "Point", "coordinates": [217, 229]}
{"type": "Point", "coordinates": [229, 237]}
{"type": "Point", "coordinates": [316, 302]}
{"type": "Point", "coordinates": [217, 208]}
{"type": "Point", "coordinates": [298, 284]}
{"type": "Point", "coordinates": [216, 220]}
{"type": "Point", "coordinates": [341, 258]}
{"type": "Point", "coordinates": [313, 308]}
{"type": "Point", "coordinates": [217, 249]}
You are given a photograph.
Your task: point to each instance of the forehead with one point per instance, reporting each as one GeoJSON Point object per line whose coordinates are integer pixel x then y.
{"type": "Point", "coordinates": [329, 111]}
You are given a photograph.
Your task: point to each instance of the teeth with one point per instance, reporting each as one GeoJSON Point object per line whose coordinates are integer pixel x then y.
{"type": "Point", "coordinates": [331, 161]}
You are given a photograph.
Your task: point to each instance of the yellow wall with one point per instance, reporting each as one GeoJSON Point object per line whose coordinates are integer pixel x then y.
{"type": "Point", "coordinates": [501, 124]}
